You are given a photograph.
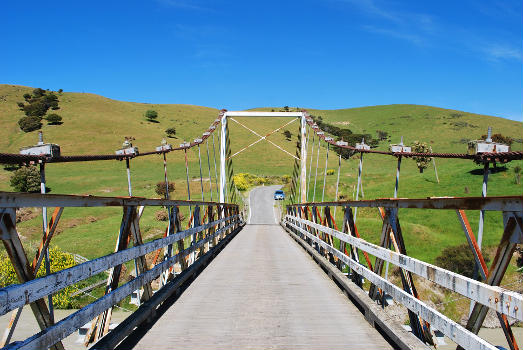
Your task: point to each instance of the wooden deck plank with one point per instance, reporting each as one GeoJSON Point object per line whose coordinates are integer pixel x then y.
{"type": "Point", "coordinates": [262, 291]}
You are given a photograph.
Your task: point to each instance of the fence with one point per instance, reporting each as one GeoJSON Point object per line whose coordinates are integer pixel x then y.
{"type": "Point", "coordinates": [342, 248]}
{"type": "Point", "coordinates": [206, 233]}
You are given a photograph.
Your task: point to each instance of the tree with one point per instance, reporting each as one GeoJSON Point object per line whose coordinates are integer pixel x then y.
{"type": "Point", "coordinates": [26, 179]}
{"type": "Point", "coordinates": [39, 103]}
{"type": "Point", "coordinates": [287, 134]}
{"type": "Point", "coordinates": [170, 132]}
{"type": "Point", "coordinates": [36, 108]}
{"type": "Point", "coordinates": [151, 115]}
{"type": "Point", "coordinates": [421, 162]}
{"type": "Point", "coordinates": [60, 91]}
{"type": "Point", "coordinates": [29, 124]}
{"type": "Point", "coordinates": [38, 92]}
{"type": "Point", "coordinates": [53, 119]}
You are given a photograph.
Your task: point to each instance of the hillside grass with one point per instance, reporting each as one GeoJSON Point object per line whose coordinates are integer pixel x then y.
{"type": "Point", "coordinates": [94, 124]}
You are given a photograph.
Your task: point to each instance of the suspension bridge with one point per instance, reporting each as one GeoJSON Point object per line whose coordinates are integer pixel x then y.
{"type": "Point", "coordinates": [252, 274]}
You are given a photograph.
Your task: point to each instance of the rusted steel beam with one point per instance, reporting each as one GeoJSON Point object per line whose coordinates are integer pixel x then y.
{"type": "Point", "coordinates": [141, 263]}
{"type": "Point", "coordinates": [14, 296]}
{"type": "Point", "coordinates": [495, 203]}
{"type": "Point", "coordinates": [15, 316]}
{"type": "Point", "coordinates": [46, 239]}
{"type": "Point", "coordinates": [99, 328]}
{"type": "Point", "coordinates": [374, 290]}
{"type": "Point", "coordinates": [19, 200]}
{"type": "Point", "coordinates": [22, 267]}
{"type": "Point", "coordinates": [451, 329]}
{"type": "Point", "coordinates": [512, 235]}
{"type": "Point", "coordinates": [420, 328]}
{"type": "Point", "coordinates": [508, 302]}
{"type": "Point", "coordinates": [74, 321]}
{"type": "Point", "coordinates": [478, 256]}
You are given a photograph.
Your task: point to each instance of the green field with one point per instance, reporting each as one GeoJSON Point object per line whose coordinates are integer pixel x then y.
{"type": "Point", "coordinates": [97, 125]}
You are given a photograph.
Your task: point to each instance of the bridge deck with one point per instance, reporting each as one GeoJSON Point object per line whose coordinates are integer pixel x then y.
{"type": "Point", "coordinates": [262, 291]}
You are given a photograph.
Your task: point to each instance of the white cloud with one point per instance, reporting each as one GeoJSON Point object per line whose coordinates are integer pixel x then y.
{"type": "Point", "coordinates": [497, 52]}
{"type": "Point", "coordinates": [184, 4]}
{"type": "Point", "coordinates": [398, 34]}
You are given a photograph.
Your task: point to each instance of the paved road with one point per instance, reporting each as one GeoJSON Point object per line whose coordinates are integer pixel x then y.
{"type": "Point", "coordinates": [262, 291]}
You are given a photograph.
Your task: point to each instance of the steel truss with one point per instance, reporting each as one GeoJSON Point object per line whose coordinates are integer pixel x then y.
{"type": "Point", "coordinates": [306, 221]}
{"type": "Point", "coordinates": [205, 236]}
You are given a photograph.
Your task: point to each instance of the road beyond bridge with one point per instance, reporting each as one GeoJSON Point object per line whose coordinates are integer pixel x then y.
{"type": "Point", "coordinates": [262, 292]}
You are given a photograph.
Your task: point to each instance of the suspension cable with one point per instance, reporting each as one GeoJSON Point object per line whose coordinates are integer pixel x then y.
{"type": "Point", "coordinates": [325, 173]}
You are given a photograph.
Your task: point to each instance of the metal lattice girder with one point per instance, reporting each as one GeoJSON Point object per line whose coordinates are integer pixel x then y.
{"type": "Point", "coordinates": [18, 295]}
{"type": "Point", "coordinates": [478, 256]}
{"type": "Point", "coordinates": [512, 235]}
{"type": "Point", "coordinates": [44, 244]}
{"type": "Point", "coordinates": [24, 272]}
{"type": "Point", "coordinates": [101, 326]}
{"type": "Point", "coordinates": [494, 203]}
{"type": "Point", "coordinates": [508, 302]}
{"type": "Point", "coordinates": [451, 329]}
{"type": "Point", "coordinates": [74, 321]}
{"type": "Point", "coordinates": [20, 200]}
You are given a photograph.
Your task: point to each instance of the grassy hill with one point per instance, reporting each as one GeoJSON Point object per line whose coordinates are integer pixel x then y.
{"type": "Point", "coordinates": [94, 124]}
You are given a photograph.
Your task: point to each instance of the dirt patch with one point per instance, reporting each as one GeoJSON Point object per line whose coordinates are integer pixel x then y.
{"type": "Point", "coordinates": [71, 223]}
{"type": "Point", "coordinates": [26, 214]}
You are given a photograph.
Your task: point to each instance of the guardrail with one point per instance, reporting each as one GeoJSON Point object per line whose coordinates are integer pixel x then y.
{"type": "Point", "coordinates": [204, 234]}
{"type": "Point", "coordinates": [306, 222]}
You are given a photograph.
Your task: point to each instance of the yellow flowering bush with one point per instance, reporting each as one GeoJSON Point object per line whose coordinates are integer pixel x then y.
{"type": "Point", "coordinates": [59, 260]}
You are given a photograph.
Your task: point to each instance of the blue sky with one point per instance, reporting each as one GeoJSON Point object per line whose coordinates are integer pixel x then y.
{"type": "Point", "coordinates": [324, 54]}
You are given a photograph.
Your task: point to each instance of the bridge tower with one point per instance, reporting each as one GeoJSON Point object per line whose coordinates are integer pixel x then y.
{"type": "Point", "coordinates": [223, 145]}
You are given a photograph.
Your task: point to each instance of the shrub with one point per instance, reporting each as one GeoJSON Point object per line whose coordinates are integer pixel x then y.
{"type": "Point", "coordinates": [170, 132]}
{"type": "Point", "coordinates": [382, 135]}
{"type": "Point", "coordinates": [151, 114]}
{"type": "Point", "coordinates": [507, 140]}
{"type": "Point", "coordinates": [20, 105]}
{"type": "Point", "coordinates": [287, 135]}
{"type": "Point", "coordinates": [53, 119]}
{"type": "Point", "coordinates": [458, 259]}
{"type": "Point", "coordinates": [421, 162]}
{"type": "Point", "coordinates": [161, 215]}
{"type": "Point", "coordinates": [60, 91]}
{"type": "Point", "coordinates": [160, 188]}
{"type": "Point", "coordinates": [286, 179]}
{"type": "Point", "coordinates": [27, 97]}
{"type": "Point", "coordinates": [59, 260]}
{"type": "Point", "coordinates": [26, 179]}
{"type": "Point", "coordinates": [28, 124]}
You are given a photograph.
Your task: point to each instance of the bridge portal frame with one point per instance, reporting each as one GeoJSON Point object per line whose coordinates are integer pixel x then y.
{"type": "Point", "coordinates": [303, 145]}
